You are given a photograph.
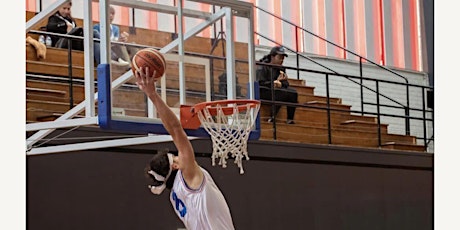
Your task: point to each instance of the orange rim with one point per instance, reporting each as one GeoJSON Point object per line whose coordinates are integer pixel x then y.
{"type": "Point", "coordinates": [211, 105]}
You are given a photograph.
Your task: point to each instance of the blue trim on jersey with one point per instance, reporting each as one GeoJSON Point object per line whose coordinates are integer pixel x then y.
{"type": "Point", "coordinates": [191, 189]}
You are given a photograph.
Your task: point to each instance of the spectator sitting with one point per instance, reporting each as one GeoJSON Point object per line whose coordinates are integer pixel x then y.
{"type": "Point", "coordinates": [276, 76]}
{"type": "Point", "coordinates": [119, 52]}
{"type": "Point", "coordinates": [63, 23]}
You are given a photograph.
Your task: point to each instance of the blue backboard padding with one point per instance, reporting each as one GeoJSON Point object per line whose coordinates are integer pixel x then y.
{"type": "Point", "coordinates": [106, 120]}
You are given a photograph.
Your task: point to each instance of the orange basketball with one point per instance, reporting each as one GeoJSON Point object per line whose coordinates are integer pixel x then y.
{"type": "Point", "coordinates": [151, 58]}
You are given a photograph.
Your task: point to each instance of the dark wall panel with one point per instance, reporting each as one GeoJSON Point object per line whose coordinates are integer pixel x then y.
{"type": "Point", "coordinates": [287, 187]}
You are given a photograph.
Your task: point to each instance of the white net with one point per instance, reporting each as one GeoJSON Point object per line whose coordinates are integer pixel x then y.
{"type": "Point", "coordinates": [229, 131]}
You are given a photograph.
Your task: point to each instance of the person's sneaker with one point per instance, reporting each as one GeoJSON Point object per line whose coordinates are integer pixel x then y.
{"type": "Point", "coordinates": [123, 62]}
{"type": "Point", "coordinates": [290, 122]}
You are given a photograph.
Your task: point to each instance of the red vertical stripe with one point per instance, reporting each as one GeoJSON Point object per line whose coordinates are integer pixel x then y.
{"type": "Point", "coordinates": [360, 27]}
{"type": "Point", "coordinates": [398, 33]}
{"type": "Point", "coordinates": [378, 32]}
{"type": "Point", "coordinates": [124, 16]}
{"type": "Point", "coordinates": [414, 35]}
{"type": "Point", "coordinates": [300, 32]}
{"type": "Point", "coordinates": [294, 17]}
{"type": "Point", "coordinates": [277, 30]}
{"type": "Point", "coordinates": [338, 14]}
{"type": "Point", "coordinates": [344, 30]}
{"type": "Point", "coordinates": [152, 18]}
{"type": "Point", "coordinates": [256, 23]}
{"type": "Point", "coordinates": [206, 8]}
{"type": "Point", "coordinates": [31, 5]}
{"type": "Point", "coordinates": [314, 19]}
{"type": "Point", "coordinates": [319, 26]}
{"type": "Point", "coordinates": [95, 9]}
{"type": "Point", "coordinates": [382, 35]}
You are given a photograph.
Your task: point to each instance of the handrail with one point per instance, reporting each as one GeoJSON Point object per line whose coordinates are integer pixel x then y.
{"type": "Point", "coordinates": [310, 59]}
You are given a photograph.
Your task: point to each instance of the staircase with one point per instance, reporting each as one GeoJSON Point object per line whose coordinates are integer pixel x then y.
{"type": "Point", "coordinates": [347, 129]}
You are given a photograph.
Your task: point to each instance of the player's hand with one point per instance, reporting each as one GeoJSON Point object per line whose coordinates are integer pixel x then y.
{"type": "Point", "coordinates": [144, 80]}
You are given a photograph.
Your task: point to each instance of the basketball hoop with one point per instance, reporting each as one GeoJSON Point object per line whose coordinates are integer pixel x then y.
{"type": "Point", "coordinates": [228, 122]}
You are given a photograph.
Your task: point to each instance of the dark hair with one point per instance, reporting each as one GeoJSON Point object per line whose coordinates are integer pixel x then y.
{"type": "Point", "coordinates": [160, 164]}
{"type": "Point", "coordinates": [267, 58]}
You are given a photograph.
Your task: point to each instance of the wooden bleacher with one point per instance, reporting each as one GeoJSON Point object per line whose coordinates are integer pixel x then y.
{"type": "Point", "coordinates": [48, 99]}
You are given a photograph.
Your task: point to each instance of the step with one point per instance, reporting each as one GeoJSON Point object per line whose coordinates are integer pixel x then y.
{"type": "Point", "coordinates": [304, 89]}
{"type": "Point", "coordinates": [78, 91]}
{"type": "Point", "coordinates": [296, 82]}
{"type": "Point", "coordinates": [302, 98]}
{"type": "Point", "coordinates": [46, 94]}
{"type": "Point", "coordinates": [309, 115]}
{"type": "Point", "coordinates": [45, 68]}
{"type": "Point", "coordinates": [50, 106]}
{"type": "Point", "coordinates": [323, 104]}
{"type": "Point", "coordinates": [398, 138]}
{"type": "Point", "coordinates": [407, 147]}
{"type": "Point", "coordinates": [56, 55]}
{"type": "Point", "coordinates": [53, 116]}
{"type": "Point", "coordinates": [364, 125]}
{"type": "Point", "coordinates": [316, 135]}
{"type": "Point", "coordinates": [36, 109]}
{"type": "Point", "coordinates": [34, 114]}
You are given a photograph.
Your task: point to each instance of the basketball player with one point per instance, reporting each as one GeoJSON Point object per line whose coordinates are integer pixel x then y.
{"type": "Point", "coordinates": [195, 197]}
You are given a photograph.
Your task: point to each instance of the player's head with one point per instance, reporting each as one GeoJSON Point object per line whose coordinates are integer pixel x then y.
{"type": "Point", "coordinates": [161, 170]}
{"type": "Point", "coordinates": [277, 54]}
{"type": "Point", "coordinates": [64, 10]}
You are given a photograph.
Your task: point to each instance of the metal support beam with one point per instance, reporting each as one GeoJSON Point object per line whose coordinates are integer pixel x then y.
{"type": "Point", "coordinates": [104, 31]}
{"type": "Point", "coordinates": [180, 49]}
{"type": "Point", "coordinates": [251, 55]}
{"type": "Point", "coordinates": [195, 30]}
{"type": "Point", "coordinates": [89, 59]}
{"type": "Point", "coordinates": [62, 124]}
{"type": "Point", "coordinates": [159, 8]}
{"type": "Point", "coordinates": [240, 8]}
{"type": "Point", "coordinates": [101, 144]}
{"type": "Point", "coordinates": [230, 55]}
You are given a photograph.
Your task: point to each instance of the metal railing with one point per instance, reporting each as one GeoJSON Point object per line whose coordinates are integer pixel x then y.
{"type": "Point", "coordinates": [298, 55]}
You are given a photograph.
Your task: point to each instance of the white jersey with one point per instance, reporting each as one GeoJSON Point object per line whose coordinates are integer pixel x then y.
{"type": "Point", "coordinates": [204, 208]}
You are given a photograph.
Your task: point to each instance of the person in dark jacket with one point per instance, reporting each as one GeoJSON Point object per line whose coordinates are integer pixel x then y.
{"type": "Point", "coordinates": [275, 76]}
{"type": "Point", "coordinates": [62, 22]}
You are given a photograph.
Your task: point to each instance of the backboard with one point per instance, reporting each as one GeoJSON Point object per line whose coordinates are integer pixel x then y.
{"type": "Point", "coordinates": [126, 108]}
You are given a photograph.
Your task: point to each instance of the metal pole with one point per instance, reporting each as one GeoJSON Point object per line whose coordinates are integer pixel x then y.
{"type": "Point", "coordinates": [329, 126]}
{"type": "Point", "coordinates": [378, 114]}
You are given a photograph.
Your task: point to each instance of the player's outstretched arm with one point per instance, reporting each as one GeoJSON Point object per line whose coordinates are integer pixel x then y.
{"type": "Point", "coordinates": [189, 167]}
